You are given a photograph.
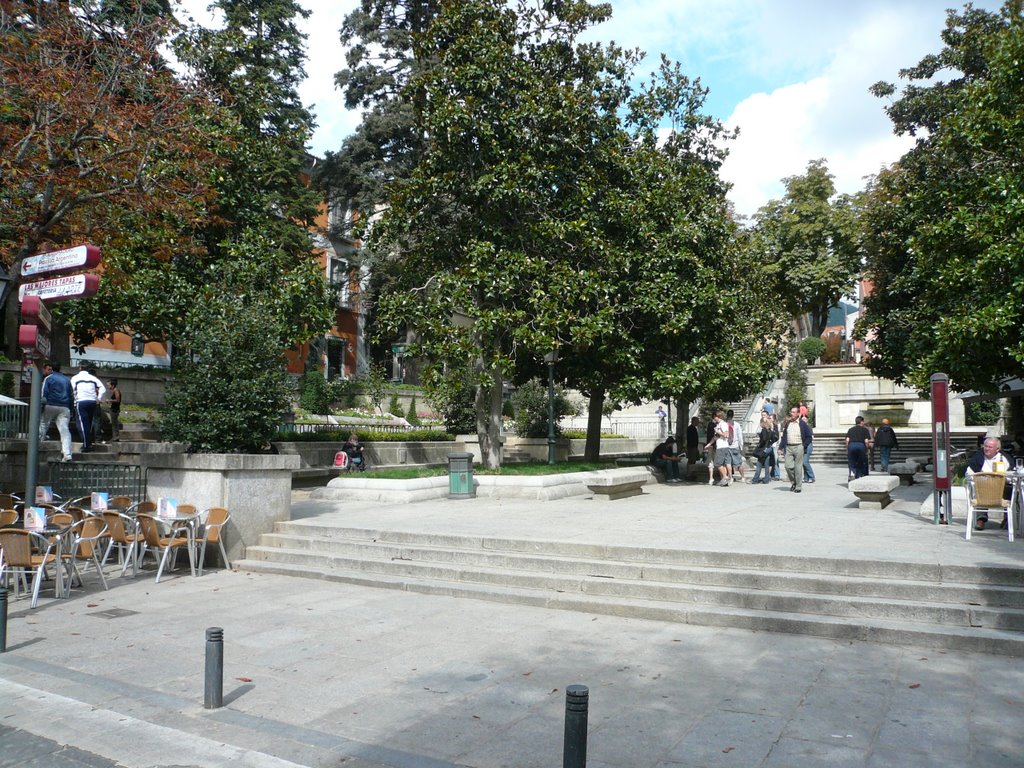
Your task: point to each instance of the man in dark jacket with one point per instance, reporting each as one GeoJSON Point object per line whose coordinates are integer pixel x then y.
{"type": "Point", "coordinates": [885, 441]}
{"type": "Point", "coordinates": [56, 397]}
{"type": "Point", "coordinates": [693, 441]}
{"type": "Point", "coordinates": [664, 458]}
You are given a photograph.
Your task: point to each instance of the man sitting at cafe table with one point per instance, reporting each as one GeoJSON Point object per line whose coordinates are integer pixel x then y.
{"type": "Point", "coordinates": [990, 458]}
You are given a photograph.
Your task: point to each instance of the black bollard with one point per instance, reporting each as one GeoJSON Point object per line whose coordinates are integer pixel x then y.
{"type": "Point", "coordinates": [3, 619]}
{"type": "Point", "coordinates": [214, 697]}
{"type": "Point", "coordinates": [577, 701]}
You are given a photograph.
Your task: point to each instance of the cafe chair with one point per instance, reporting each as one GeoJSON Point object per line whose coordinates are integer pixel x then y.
{"type": "Point", "coordinates": [85, 547]}
{"type": "Point", "coordinates": [141, 508]}
{"type": "Point", "coordinates": [8, 517]}
{"type": "Point", "coordinates": [9, 500]}
{"type": "Point", "coordinates": [120, 503]}
{"type": "Point", "coordinates": [160, 544]}
{"type": "Point", "coordinates": [81, 501]}
{"type": "Point", "coordinates": [212, 532]}
{"type": "Point", "coordinates": [123, 533]}
{"type": "Point", "coordinates": [19, 559]}
{"type": "Point", "coordinates": [985, 492]}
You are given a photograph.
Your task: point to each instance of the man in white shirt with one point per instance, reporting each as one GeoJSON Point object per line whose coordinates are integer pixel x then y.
{"type": "Point", "coordinates": [989, 458]}
{"type": "Point", "coordinates": [88, 391]}
{"type": "Point", "coordinates": [736, 446]}
{"type": "Point", "coordinates": [723, 454]}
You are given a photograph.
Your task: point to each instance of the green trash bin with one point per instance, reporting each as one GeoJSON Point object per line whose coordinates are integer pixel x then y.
{"type": "Point", "coordinates": [460, 476]}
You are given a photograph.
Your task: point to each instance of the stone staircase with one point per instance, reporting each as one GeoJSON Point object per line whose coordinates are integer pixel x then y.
{"type": "Point", "coordinates": [945, 607]}
{"type": "Point", "coordinates": [830, 447]}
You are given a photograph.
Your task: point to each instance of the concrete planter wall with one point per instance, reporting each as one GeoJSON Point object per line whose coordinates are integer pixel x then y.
{"type": "Point", "coordinates": [318, 455]}
{"type": "Point", "coordinates": [614, 447]}
{"type": "Point", "coordinates": [256, 489]}
{"type": "Point", "coordinates": [537, 447]}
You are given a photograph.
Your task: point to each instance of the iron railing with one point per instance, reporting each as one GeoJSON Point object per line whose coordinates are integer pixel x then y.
{"type": "Point", "coordinates": [81, 478]}
{"type": "Point", "coordinates": [310, 428]}
{"type": "Point", "coordinates": [14, 421]}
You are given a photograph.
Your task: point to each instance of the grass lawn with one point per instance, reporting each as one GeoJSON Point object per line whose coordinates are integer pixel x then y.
{"type": "Point", "coordinates": [512, 469]}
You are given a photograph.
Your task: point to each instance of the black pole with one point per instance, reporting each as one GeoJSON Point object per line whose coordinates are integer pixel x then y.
{"type": "Point", "coordinates": [214, 696]}
{"type": "Point", "coordinates": [577, 701]}
{"type": "Point", "coordinates": [3, 619]}
{"type": "Point", "coordinates": [32, 457]}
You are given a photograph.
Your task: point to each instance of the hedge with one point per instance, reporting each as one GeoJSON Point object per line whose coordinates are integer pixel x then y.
{"type": "Point", "coordinates": [367, 436]}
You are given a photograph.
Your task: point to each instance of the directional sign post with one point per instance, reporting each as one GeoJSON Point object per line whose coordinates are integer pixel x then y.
{"type": "Point", "coordinates": [33, 335]}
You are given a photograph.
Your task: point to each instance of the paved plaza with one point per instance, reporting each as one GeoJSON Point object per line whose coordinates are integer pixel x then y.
{"type": "Point", "coordinates": [325, 674]}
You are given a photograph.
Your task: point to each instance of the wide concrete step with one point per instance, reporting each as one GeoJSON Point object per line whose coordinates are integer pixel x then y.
{"type": "Point", "coordinates": [639, 588]}
{"type": "Point", "coordinates": [1012, 577]}
{"type": "Point", "coordinates": [886, 631]}
{"type": "Point", "coordinates": [759, 578]}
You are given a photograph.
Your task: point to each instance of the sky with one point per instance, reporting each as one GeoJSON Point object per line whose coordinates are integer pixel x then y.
{"type": "Point", "coordinates": [791, 75]}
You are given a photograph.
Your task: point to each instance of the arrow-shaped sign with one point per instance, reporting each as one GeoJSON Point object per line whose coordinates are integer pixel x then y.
{"type": "Point", "coordinates": [58, 262]}
{"type": "Point", "coordinates": [61, 288]}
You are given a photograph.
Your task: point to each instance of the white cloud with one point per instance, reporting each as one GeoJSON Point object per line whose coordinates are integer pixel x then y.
{"type": "Point", "coordinates": [831, 116]}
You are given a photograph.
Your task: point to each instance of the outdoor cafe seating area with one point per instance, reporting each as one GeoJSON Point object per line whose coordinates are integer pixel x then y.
{"type": "Point", "coordinates": [80, 544]}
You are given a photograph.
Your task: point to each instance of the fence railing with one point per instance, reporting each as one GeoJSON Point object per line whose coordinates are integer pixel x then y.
{"type": "Point", "coordinates": [74, 479]}
{"type": "Point", "coordinates": [14, 421]}
{"type": "Point", "coordinates": [639, 429]}
{"type": "Point", "coordinates": [311, 428]}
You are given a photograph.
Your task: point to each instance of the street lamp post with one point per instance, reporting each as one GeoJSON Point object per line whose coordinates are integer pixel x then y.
{"type": "Point", "coordinates": [551, 358]}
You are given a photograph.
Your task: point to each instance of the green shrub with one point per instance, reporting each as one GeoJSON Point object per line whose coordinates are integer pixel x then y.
{"type": "Point", "coordinates": [341, 434]}
{"type": "Point", "coordinates": [232, 387]}
{"type": "Point", "coordinates": [343, 392]}
{"type": "Point", "coordinates": [811, 348]}
{"type": "Point", "coordinates": [411, 416]}
{"type": "Point", "coordinates": [983, 413]}
{"type": "Point", "coordinates": [394, 407]}
{"type": "Point", "coordinates": [530, 401]}
{"type": "Point", "coordinates": [452, 394]}
{"type": "Point", "coordinates": [375, 386]}
{"type": "Point", "coordinates": [315, 395]}
{"type": "Point", "coordinates": [7, 384]}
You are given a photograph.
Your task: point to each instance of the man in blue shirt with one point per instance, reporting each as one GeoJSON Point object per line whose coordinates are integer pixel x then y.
{"type": "Point", "coordinates": [56, 405]}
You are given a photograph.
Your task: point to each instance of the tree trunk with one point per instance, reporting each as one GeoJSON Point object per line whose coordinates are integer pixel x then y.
{"type": "Point", "coordinates": [595, 408]}
{"type": "Point", "coordinates": [682, 422]}
{"type": "Point", "coordinates": [488, 416]}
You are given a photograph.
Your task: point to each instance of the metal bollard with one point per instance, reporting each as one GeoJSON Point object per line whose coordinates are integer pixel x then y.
{"type": "Point", "coordinates": [214, 696]}
{"type": "Point", "coordinates": [3, 619]}
{"type": "Point", "coordinates": [577, 701]}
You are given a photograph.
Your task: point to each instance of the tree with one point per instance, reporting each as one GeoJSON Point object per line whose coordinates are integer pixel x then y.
{"type": "Point", "coordinates": [480, 229]}
{"type": "Point", "coordinates": [547, 212]}
{"type": "Point", "coordinates": [809, 239]}
{"type": "Point", "coordinates": [381, 62]}
{"type": "Point", "coordinates": [943, 226]}
{"type": "Point", "coordinates": [260, 238]}
{"type": "Point", "coordinates": [107, 135]}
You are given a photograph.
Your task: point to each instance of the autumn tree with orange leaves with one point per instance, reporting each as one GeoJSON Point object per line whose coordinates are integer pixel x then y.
{"type": "Point", "coordinates": [94, 129]}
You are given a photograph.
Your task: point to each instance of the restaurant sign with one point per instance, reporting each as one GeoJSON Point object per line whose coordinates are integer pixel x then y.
{"type": "Point", "coordinates": [33, 341]}
{"type": "Point", "coordinates": [61, 288]}
{"type": "Point", "coordinates": [34, 312]}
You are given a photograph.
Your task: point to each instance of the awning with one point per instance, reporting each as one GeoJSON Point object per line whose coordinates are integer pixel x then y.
{"type": "Point", "coordinates": [1008, 387]}
{"type": "Point", "coordinates": [5, 400]}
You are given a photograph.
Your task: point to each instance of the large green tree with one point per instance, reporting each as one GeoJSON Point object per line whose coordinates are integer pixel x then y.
{"type": "Point", "coordinates": [547, 212]}
{"type": "Point", "coordinates": [944, 227]}
{"type": "Point", "coordinates": [809, 242]}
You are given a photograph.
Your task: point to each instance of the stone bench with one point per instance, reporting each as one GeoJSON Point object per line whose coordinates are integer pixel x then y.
{"type": "Point", "coordinates": [905, 472]}
{"type": "Point", "coordinates": [873, 491]}
{"type": "Point", "coordinates": [611, 486]}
